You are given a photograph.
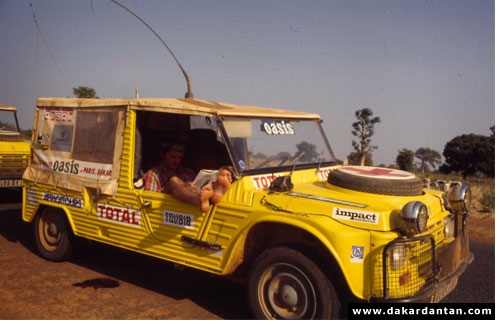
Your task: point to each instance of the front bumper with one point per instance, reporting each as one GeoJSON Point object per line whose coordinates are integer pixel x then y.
{"type": "Point", "coordinates": [438, 269]}
{"type": "Point", "coordinates": [434, 292]}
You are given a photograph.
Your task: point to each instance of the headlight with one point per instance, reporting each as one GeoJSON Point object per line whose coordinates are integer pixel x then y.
{"type": "Point", "coordinates": [398, 256]}
{"type": "Point", "coordinates": [460, 199]}
{"type": "Point", "coordinates": [415, 214]}
{"type": "Point", "coordinates": [449, 227]}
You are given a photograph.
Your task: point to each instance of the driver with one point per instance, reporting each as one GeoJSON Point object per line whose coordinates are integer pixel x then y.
{"type": "Point", "coordinates": [173, 178]}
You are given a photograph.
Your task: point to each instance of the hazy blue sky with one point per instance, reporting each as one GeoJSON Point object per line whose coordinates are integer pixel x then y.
{"type": "Point", "coordinates": [426, 68]}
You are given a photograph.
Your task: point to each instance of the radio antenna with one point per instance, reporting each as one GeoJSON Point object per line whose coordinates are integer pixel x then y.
{"type": "Point", "coordinates": [59, 71]}
{"type": "Point", "coordinates": [188, 94]}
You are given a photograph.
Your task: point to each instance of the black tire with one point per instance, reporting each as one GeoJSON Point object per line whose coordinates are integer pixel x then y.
{"type": "Point", "coordinates": [52, 235]}
{"type": "Point", "coordinates": [285, 284]}
{"type": "Point", "coordinates": [376, 185]}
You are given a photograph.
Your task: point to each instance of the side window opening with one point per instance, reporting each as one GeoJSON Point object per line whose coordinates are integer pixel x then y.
{"type": "Point", "coordinates": [94, 138]}
{"type": "Point", "coordinates": [154, 129]}
{"type": "Point", "coordinates": [204, 147]}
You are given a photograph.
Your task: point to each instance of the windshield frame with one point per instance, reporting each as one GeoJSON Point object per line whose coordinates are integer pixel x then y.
{"type": "Point", "coordinates": [285, 168]}
{"type": "Point", "coordinates": [14, 112]}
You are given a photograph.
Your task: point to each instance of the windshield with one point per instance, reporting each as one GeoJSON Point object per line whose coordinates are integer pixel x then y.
{"type": "Point", "coordinates": [8, 121]}
{"type": "Point", "coordinates": [267, 143]}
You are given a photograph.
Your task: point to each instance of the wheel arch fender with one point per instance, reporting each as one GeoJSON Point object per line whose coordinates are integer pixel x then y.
{"type": "Point", "coordinates": [43, 206]}
{"type": "Point", "coordinates": [257, 237]}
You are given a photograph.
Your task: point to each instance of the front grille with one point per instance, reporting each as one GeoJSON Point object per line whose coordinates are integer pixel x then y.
{"type": "Point", "coordinates": [437, 231]}
{"type": "Point", "coordinates": [13, 166]}
{"type": "Point", "coordinates": [417, 272]}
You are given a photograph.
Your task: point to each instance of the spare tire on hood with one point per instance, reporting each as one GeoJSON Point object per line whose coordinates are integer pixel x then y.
{"type": "Point", "coordinates": [376, 180]}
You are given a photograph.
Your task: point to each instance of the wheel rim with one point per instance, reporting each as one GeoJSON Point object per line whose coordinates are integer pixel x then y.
{"type": "Point", "coordinates": [285, 292]}
{"type": "Point", "coordinates": [50, 231]}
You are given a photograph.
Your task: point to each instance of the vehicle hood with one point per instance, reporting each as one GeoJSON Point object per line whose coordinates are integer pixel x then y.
{"type": "Point", "coordinates": [354, 208]}
{"type": "Point", "coordinates": [13, 143]}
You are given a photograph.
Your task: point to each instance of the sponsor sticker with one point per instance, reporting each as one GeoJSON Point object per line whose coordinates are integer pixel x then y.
{"type": "Point", "coordinates": [60, 114]}
{"type": "Point", "coordinates": [62, 199]}
{"type": "Point", "coordinates": [42, 141]}
{"type": "Point", "coordinates": [324, 172]}
{"type": "Point", "coordinates": [357, 253]}
{"type": "Point", "coordinates": [31, 197]}
{"type": "Point", "coordinates": [355, 215]}
{"type": "Point", "coordinates": [119, 215]}
{"type": "Point", "coordinates": [264, 181]}
{"type": "Point", "coordinates": [178, 219]}
{"type": "Point", "coordinates": [76, 167]}
{"type": "Point", "coordinates": [277, 128]}
{"type": "Point", "coordinates": [62, 138]}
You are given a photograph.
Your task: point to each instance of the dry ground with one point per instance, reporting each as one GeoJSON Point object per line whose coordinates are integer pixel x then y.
{"type": "Point", "coordinates": [481, 224]}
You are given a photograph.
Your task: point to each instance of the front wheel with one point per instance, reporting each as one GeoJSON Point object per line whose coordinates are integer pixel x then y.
{"type": "Point", "coordinates": [285, 284]}
{"type": "Point", "coordinates": [52, 235]}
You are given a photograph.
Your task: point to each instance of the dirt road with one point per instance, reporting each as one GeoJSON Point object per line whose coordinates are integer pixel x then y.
{"type": "Point", "coordinates": [102, 282]}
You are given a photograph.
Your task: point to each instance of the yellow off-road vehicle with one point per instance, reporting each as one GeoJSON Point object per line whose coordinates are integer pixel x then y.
{"type": "Point", "coordinates": [14, 150]}
{"type": "Point", "coordinates": [301, 230]}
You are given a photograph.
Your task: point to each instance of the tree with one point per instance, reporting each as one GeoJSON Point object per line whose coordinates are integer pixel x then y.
{"type": "Point", "coordinates": [354, 158]}
{"type": "Point", "coordinates": [405, 159]}
{"type": "Point", "coordinates": [308, 151]}
{"type": "Point", "coordinates": [427, 157]}
{"type": "Point", "coordinates": [84, 92]}
{"type": "Point", "coordinates": [470, 153]}
{"type": "Point", "coordinates": [364, 129]}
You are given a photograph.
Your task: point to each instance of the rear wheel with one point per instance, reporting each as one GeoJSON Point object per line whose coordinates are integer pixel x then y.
{"type": "Point", "coordinates": [285, 284]}
{"type": "Point", "coordinates": [52, 235]}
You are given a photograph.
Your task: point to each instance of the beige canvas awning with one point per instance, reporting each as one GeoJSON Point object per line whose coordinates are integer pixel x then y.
{"type": "Point", "coordinates": [179, 106]}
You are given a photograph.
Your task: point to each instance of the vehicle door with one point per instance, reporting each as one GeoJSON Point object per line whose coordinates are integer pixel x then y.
{"type": "Point", "coordinates": [168, 219]}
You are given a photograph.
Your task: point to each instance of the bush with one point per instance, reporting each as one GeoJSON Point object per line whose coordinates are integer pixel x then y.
{"type": "Point", "coordinates": [487, 199]}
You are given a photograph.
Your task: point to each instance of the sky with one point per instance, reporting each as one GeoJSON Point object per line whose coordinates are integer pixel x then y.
{"type": "Point", "coordinates": [426, 68]}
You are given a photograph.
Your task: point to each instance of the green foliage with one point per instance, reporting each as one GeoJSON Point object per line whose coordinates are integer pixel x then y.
{"type": "Point", "coordinates": [354, 158]}
{"type": "Point", "coordinates": [364, 129]}
{"type": "Point", "coordinates": [487, 199]}
{"type": "Point", "coordinates": [309, 150]}
{"type": "Point", "coordinates": [470, 153]}
{"type": "Point", "coordinates": [404, 160]}
{"type": "Point", "coordinates": [84, 92]}
{"type": "Point", "coordinates": [428, 157]}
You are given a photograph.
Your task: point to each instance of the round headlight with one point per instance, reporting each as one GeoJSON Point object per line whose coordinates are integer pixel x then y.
{"type": "Point", "coordinates": [449, 227]}
{"type": "Point", "coordinates": [460, 199]}
{"type": "Point", "coordinates": [398, 256]}
{"type": "Point", "coordinates": [416, 214]}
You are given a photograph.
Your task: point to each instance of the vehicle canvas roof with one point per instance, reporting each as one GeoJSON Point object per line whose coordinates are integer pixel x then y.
{"type": "Point", "coordinates": [7, 108]}
{"type": "Point", "coordinates": [179, 106]}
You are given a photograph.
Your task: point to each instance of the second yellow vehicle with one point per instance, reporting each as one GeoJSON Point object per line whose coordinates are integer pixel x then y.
{"type": "Point", "coordinates": [14, 150]}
